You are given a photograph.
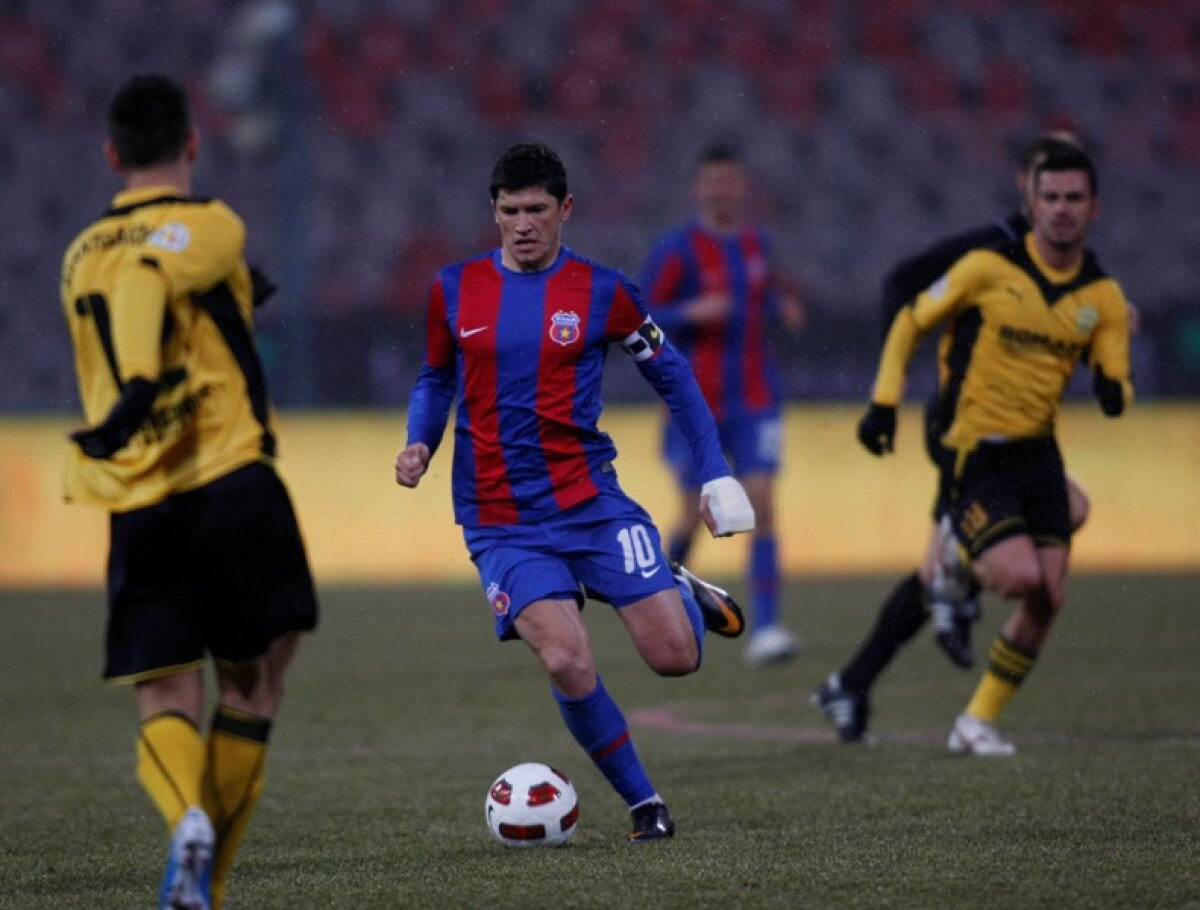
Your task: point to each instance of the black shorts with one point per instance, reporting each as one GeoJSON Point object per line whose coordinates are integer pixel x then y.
{"type": "Point", "coordinates": [1007, 489]}
{"type": "Point", "coordinates": [218, 570]}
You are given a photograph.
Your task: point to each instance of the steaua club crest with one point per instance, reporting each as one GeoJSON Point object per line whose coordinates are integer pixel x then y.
{"type": "Point", "coordinates": [498, 599]}
{"type": "Point", "coordinates": [564, 328]}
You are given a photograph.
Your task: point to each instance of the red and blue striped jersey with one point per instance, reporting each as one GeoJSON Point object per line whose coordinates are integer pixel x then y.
{"type": "Point", "coordinates": [525, 351]}
{"type": "Point", "coordinates": [729, 356]}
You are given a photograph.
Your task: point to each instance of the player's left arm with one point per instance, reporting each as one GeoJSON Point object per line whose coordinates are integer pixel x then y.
{"type": "Point", "coordinates": [726, 507]}
{"type": "Point", "coordinates": [1111, 380]}
{"type": "Point", "coordinates": [137, 309]}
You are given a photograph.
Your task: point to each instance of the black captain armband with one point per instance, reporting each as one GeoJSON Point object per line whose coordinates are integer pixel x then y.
{"type": "Point", "coordinates": [1108, 392]}
{"type": "Point", "coordinates": [645, 342]}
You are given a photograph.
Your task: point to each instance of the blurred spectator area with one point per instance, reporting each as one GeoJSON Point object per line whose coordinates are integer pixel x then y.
{"type": "Point", "coordinates": [356, 139]}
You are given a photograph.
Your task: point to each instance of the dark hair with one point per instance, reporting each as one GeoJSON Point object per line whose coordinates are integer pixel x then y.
{"type": "Point", "coordinates": [1067, 158]}
{"type": "Point", "coordinates": [718, 153]}
{"type": "Point", "coordinates": [1044, 143]}
{"type": "Point", "coordinates": [528, 165]}
{"type": "Point", "coordinates": [148, 121]}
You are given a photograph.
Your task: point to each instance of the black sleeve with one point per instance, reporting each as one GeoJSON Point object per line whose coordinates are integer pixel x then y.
{"type": "Point", "coordinates": [915, 274]}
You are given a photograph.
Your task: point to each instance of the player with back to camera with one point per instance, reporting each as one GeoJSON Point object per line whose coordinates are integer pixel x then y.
{"type": "Point", "coordinates": [711, 284]}
{"type": "Point", "coordinates": [521, 333]}
{"type": "Point", "coordinates": [933, 590]}
{"type": "Point", "coordinates": [1023, 314]}
{"type": "Point", "coordinates": [206, 558]}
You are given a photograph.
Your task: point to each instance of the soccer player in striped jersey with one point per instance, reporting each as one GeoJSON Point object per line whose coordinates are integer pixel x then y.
{"type": "Point", "coordinates": [711, 285]}
{"type": "Point", "coordinates": [1023, 313]}
{"type": "Point", "coordinates": [206, 558]}
{"type": "Point", "coordinates": [520, 333]}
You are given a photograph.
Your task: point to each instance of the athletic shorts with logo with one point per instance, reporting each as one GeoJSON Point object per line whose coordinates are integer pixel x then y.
{"type": "Point", "coordinates": [606, 548]}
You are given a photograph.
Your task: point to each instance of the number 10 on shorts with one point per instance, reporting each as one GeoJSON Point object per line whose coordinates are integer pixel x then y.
{"type": "Point", "coordinates": [638, 549]}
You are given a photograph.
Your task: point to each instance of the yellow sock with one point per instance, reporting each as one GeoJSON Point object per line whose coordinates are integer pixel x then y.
{"type": "Point", "coordinates": [233, 782]}
{"type": "Point", "coordinates": [170, 764]}
{"type": "Point", "coordinates": [1008, 665]}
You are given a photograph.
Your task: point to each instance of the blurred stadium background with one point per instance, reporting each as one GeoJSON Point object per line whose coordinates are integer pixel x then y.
{"type": "Point", "coordinates": [356, 138]}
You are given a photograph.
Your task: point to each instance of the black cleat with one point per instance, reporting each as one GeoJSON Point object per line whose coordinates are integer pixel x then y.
{"type": "Point", "coordinates": [721, 613]}
{"type": "Point", "coordinates": [848, 710]}
{"type": "Point", "coordinates": [651, 822]}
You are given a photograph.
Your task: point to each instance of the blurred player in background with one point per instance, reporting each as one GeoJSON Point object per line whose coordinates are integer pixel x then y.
{"type": "Point", "coordinates": [1023, 312]}
{"type": "Point", "coordinates": [931, 591]}
{"type": "Point", "coordinates": [711, 285]}
{"type": "Point", "coordinates": [206, 558]}
{"type": "Point", "coordinates": [521, 333]}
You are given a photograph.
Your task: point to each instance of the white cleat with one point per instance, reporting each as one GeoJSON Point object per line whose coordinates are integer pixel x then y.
{"type": "Point", "coordinates": [772, 645]}
{"type": "Point", "coordinates": [187, 882]}
{"type": "Point", "coordinates": [972, 736]}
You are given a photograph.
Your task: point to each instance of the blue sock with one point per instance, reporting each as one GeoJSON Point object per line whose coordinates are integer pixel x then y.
{"type": "Point", "coordinates": [678, 547]}
{"type": "Point", "coordinates": [764, 580]}
{"type": "Point", "coordinates": [695, 617]}
{"type": "Point", "coordinates": [599, 727]}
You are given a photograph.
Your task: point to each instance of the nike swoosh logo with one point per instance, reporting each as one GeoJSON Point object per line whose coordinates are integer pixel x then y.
{"type": "Point", "coordinates": [467, 333]}
{"type": "Point", "coordinates": [651, 573]}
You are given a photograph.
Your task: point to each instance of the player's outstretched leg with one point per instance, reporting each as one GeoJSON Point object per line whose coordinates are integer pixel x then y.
{"type": "Point", "coordinates": [844, 697]}
{"type": "Point", "coordinates": [186, 882]}
{"type": "Point", "coordinates": [721, 613]}
{"type": "Point", "coordinates": [600, 728]}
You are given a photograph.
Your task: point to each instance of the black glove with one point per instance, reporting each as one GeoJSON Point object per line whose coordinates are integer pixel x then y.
{"type": "Point", "coordinates": [106, 439]}
{"type": "Point", "coordinates": [1108, 392]}
{"type": "Point", "coordinates": [263, 286]}
{"type": "Point", "coordinates": [877, 430]}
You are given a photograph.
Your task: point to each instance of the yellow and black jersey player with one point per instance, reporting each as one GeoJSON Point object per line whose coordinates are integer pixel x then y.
{"type": "Point", "coordinates": [206, 559]}
{"type": "Point", "coordinates": [1023, 315]}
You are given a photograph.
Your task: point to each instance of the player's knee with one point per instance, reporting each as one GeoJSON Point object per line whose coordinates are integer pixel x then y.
{"type": "Point", "coordinates": [1079, 506]}
{"type": "Point", "coordinates": [571, 669]}
{"type": "Point", "coordinates": [674, 655]}
{"type": "Point", "coordinates": [1017, 581]}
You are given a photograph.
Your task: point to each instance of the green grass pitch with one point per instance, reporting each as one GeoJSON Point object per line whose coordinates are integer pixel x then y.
{"type": "Point", "coordinates": [402, 709]}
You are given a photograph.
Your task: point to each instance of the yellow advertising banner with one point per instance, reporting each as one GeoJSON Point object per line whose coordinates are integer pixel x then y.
{"type": "Point", "coordinates": [839, 509]}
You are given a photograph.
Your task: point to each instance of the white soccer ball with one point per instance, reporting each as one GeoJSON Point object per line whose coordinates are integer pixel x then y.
{"type": "Point", "coordinates": [532, 805]}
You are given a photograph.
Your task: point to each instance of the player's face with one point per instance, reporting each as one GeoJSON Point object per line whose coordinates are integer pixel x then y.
{"type": "Point", "coordinates": [1062, 206]}
{"type": "Point", "coordinates": [530, 223]}
{"type": "Point", "coordinates": [721, 192]}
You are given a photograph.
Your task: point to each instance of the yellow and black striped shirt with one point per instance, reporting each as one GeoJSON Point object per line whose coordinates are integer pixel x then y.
{"type": "Point", "coordinates": [158, 288]}
{"type": "Point", "coordinates": [1018, 330]}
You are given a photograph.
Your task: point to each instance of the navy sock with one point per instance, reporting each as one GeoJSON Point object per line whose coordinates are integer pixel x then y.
{"type": "Point", "coordinates": [678, 547]}
{"type": "Point", "coordinates": [764, 580]}
{"type": "Point", "coordinates": [902, 614]}
{"type": "Point", "coordinates": [600, 728]}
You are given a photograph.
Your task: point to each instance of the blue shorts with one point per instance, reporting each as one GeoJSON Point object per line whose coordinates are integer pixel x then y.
{"type": "Point", "coordinates": [751, 440]}
{"type": "Point", "coordinates": [606, 548]}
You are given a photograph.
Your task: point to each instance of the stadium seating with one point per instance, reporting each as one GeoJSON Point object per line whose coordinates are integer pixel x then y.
{"type": "Point", "coordinates": [357, 145]}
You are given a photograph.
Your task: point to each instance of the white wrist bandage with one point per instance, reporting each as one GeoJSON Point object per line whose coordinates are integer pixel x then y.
{"type": "Point", "coordinates": [728, 505]}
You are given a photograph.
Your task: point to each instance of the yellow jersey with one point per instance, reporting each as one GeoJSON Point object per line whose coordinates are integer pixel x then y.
{"type": "Point", "coordinates": [158, 288]}
{"type": "Point", "coordinates": [1018, 330]}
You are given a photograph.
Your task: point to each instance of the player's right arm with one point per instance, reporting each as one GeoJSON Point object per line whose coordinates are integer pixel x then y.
{"type": "Point", "coordinates": [432, 394]}
{"type": "Point", "coordinates": [877, 429]}
{"type": "Point", "coordinates": [665, 281]}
